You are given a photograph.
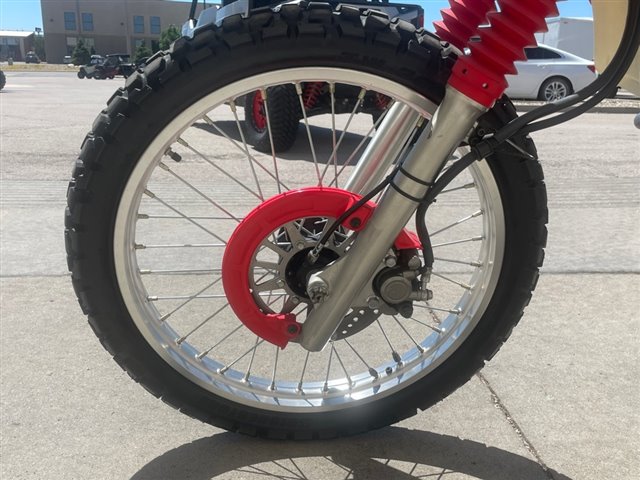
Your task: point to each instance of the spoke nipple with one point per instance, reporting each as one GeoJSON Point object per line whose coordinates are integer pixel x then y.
{"type": "Point", "coordinates": [396, 357]}
{"type": "Point", "coordinates": [388, 370]}
{"type": "Point", "coordinates": [373, 372]}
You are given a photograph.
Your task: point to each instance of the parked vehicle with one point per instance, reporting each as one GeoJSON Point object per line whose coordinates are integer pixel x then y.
{"type": "Point", "coordinates": [66, 59]}
{"type": "Point", "coordinates": [31, 57]}
{"type": "Point", "coordinates": [108, 66]}
{"type": "Point", "coordinates": [549, 74]}
{"type": "Point", "coordinates": [349, 283]}
{"type": "Point", "coordinates": [286, 111]}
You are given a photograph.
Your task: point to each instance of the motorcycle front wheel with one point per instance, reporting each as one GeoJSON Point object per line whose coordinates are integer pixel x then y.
{"type": "Point", "coordinates": [166, 175]}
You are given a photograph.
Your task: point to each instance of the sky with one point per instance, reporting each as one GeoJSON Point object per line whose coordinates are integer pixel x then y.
{"type": "Point", "coordinates": [26, 14]}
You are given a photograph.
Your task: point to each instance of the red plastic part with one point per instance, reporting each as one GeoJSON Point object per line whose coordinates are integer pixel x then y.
{"type": "Point", "coordinates": [279, 329]}
{"type": "Point", "coordinates": [495, 47]}
{"type": "Point", "coordinates": [311, 94]}
{"type": "Point", "coordinates": [259, 117]}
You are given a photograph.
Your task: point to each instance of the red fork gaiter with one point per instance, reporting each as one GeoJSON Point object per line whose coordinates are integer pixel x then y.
{"type": "Point", "coordinates": [496, 39]}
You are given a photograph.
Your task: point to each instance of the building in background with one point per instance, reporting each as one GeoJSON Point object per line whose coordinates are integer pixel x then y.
{"type": "Point", "coordinates": [15, 44]}
{"type": "Point", "coordinates": [573, 35]}
{"type": "Point", "coordinates": [114, 26]}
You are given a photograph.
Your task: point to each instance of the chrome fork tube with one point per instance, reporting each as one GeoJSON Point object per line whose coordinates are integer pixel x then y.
{"type": "Point", "coordinates": [341, 281]}
{"type": "Point", "coordinates": [385, 147]}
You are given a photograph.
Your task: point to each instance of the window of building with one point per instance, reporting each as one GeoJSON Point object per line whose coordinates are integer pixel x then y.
{"type": "Point", "coordinates": [70, 21]}
{"type": "Point", "coordinates": [138, 24]}
{"type": "Point", "coordinates": [87, 22]}
{"type": "Point", "coordinates": [155, 25]}
{"type": "Point", "coordinates": [71, 44]}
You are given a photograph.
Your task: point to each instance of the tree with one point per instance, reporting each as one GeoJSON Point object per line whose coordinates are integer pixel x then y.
{"type": "Point", "coordinates": [168, 36]}
{"type": "Point", "coordinates": [142, 52]}
{"type": "Point", "coordinates": [80, 54]}
{"type": "Point", "coordinates": [38, 47]}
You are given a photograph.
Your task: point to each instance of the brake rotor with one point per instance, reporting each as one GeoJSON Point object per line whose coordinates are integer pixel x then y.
{"type": "Point", "coordinates": [263, 264]}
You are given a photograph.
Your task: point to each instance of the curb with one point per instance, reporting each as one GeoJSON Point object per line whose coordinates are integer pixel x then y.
{"type": "Point", "coordinates": [597, 109]}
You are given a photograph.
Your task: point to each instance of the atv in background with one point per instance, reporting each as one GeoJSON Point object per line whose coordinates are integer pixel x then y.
{"type": "Point", "coordinates": [108, 66]}
{"type": "Point", "coordinates": [284, 104]}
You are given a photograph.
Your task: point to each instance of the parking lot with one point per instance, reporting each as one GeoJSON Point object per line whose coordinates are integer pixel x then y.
{"type": "Point", "coordinates": [560, 400]}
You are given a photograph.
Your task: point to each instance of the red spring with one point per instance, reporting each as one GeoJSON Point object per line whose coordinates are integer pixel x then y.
{"type": "Point", "coordinates": [461, 21]}
{"type": "Point", "coordinates": [381, 101]}
{"type": "Point", "coordinates": [495, 47]}
{"type": "Point", "coordinates": [312, 91]}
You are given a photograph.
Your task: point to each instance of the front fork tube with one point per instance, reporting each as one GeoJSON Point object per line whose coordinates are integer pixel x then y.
{"type": "Point", "coordinates": [341, 281]}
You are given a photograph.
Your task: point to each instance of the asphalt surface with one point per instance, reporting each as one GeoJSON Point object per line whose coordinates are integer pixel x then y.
{"type": "Point", "coordinates": [560, 400]}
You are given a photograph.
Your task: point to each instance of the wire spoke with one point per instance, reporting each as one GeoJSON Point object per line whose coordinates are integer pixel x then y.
{"type": "Point", "coordinates": [142, 246]}
{"type": "Point", "coordinates": [458, 222]}
{"type": "Point", "coordinates": [264, 94]}
{"type": "Point", "coordinates": [456, 242]}
{"type": "Point", "coordinates": [358, 147]}
{"type": "Point", "coordinates": [346, 374]}
{"type": "Point", "coordinates": [227, 367]}
{"type": "Point", "coordinates": [304, 369]}
{"type": "Point", "coordinates": [218, 167]}
{"type": "Point", "coordinates": [168, 169]}
{"type": "Point", "coordinates": [234, 110]}
{"type": "Point", "coordinates": [461, 262]}
{"type": "Point", "coordinates": [201, 324]}
{"type": "Point", "coordinates": [418, 346]}
{"type": "Point", "coordinates": [275, 370]}
{"type": "Point", "coordinates": [189, 219]}
{"type": "Point", "coordinates": [334, 153]}
{"type": "Point", "coordinates": [461, 187]}
{"type": "Point", "coordinates": [188, 300]}
{"type": "Point", "coordinates": [435, 329]}
{"type": "Point", "coordinates": [394, 354]}
{"type": "Point", "coordinates": [239, 147]}
{"type": "Point", "coordinates": [372, 371]}
{"type": "Point", "coordinates": [306, 124]}
{"type": "Point", "coordinates": [253, 356]}
{"type": "Point", "coordinates": [460, 284]}
{"type": "Point", "coordinates": [206, 352]}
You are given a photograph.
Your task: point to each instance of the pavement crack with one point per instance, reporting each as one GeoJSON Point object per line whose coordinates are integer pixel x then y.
{"type": "Point", "coordinates": [497, 402]}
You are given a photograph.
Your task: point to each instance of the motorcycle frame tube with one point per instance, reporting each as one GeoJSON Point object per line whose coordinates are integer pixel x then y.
{"type": "Point", "coordinates": [383, 150]}
{"type": "Point", "coordinates": [346, 277]}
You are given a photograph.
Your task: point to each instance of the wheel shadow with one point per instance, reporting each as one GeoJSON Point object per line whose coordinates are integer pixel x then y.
{"type": "Point", "coordinates": [390, 453]}
{"type": "Point", "coordinates": [322, 141]}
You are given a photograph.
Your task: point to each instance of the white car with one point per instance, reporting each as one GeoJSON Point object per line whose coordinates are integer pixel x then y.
{"type": "Point", "coordinates": [550, 74]}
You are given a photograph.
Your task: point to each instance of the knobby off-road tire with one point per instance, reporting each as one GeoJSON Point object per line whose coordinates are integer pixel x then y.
{"type": "Point", "coordinates": [284, 115]}
{"type": "Point", "coordinates": [294, 37]}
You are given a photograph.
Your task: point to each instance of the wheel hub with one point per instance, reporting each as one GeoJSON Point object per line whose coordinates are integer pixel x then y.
{"type": "Point", "coordinates": [264, 268]}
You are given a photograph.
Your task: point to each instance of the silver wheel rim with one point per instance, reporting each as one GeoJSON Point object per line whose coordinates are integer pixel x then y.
{"type": "Point", "coordinates": [556, 90]}
{"type": "Point", "coordinates": [187, 322]}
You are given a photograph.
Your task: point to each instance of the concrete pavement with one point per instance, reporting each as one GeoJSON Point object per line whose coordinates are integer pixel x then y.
{"type": "Point", "coordinates": [560, 400]}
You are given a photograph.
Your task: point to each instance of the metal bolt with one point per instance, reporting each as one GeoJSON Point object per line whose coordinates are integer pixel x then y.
{"type": "Point", "coordinates": [355, 222]}
{"type": "Point", "coordinates": [414, 262]}
{"type": "Point", "coordinates": [373, 302]}
{"type": "Point", "coordinates": [292, 329]}
{"type": "Point", "coordinates": [280, 283]}
{"type": "Point", "coordinates": [295, 300]}
{"type": "Point", "coordinates": [390, 261]}
{"type": "Point", "coordinates": [300, 245]}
